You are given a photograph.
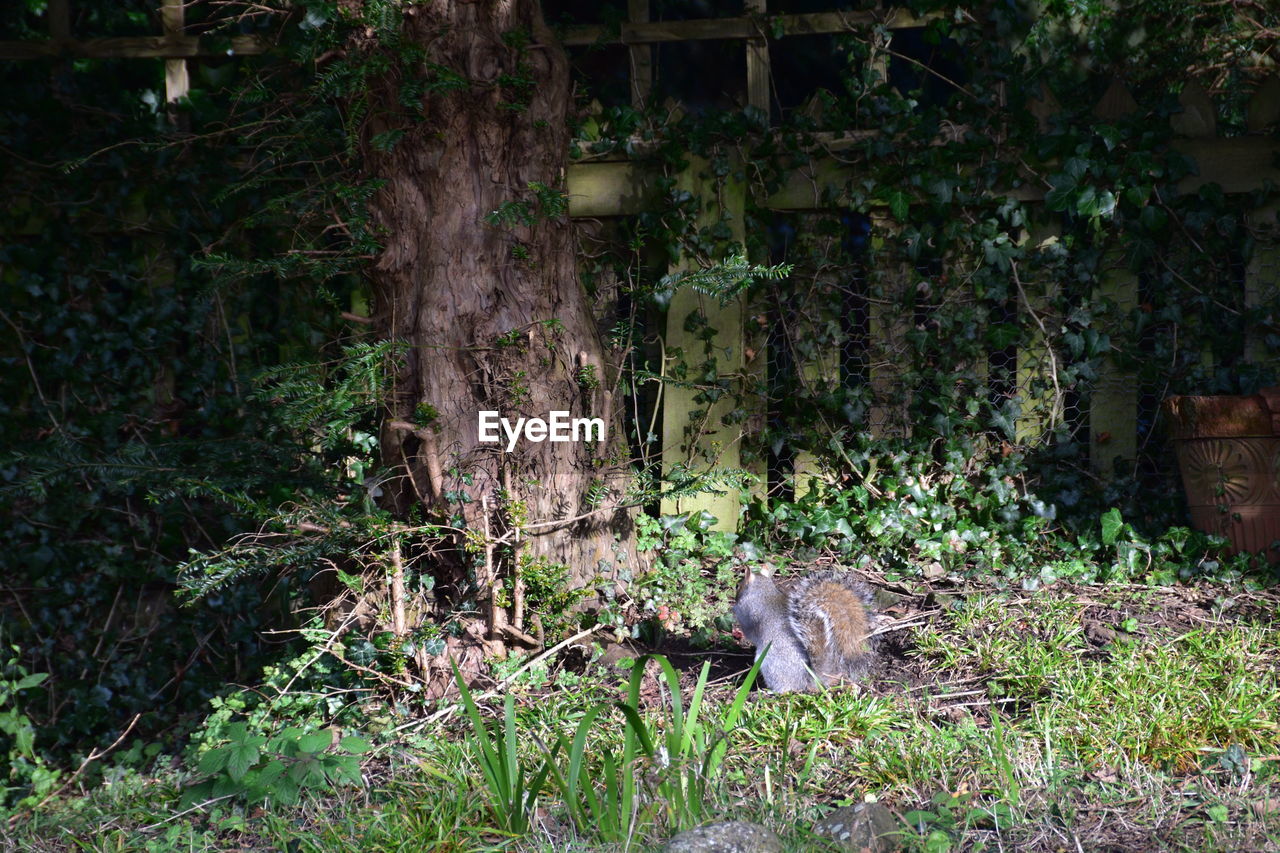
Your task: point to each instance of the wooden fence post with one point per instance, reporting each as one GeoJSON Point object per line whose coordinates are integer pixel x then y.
{"type": "Point", "coordinates": [1264, 106]}
{"type": "Point", "coordinates": [1262, 275]}
{"type": "Point", "coordinates": [758, 78]}
{"type": "Point", "coordinates": [176, 81]}
{"type": "Point", "coordinates": [1035, 366]}
{"type": "Point", "coordinates": [641, 56]}
{"type": "Point", "coordinates": [693, 433]}
{"type": "Point", "coordinates": [756, 331]}
{"type": "Point", "coordinates": [1197, 119]}
{"type": "Point", "coordinates": [818, 367]}
{"type": "Point", "coordinates": [1113, 407]}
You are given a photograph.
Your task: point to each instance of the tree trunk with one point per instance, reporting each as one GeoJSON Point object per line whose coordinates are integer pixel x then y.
{"type": "Point", "coordinates": [490, 305]}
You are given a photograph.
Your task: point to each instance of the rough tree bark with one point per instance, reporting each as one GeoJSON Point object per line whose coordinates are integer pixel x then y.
{"type": "Point", "coordinates": [494, 316]}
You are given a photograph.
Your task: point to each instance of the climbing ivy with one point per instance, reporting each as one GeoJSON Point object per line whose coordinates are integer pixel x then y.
{"type": "Point", "coordinates": [987, 323]}
{"type": "Point", "coordinates": [149, 272]}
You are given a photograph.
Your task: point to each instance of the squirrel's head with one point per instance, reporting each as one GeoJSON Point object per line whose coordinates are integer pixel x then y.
{"type": "Point", "coordinates": [754, 575]}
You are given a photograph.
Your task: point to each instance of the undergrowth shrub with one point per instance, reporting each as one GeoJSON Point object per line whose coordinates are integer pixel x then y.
{"type": "Point", "coordinates": [277, 767]}
{"type": "Point", "coordinates": [29, 778]}
{"type": "Point", "coordinates": [693, 573]}
{"type": "Point", "coordinates": [965, 512]}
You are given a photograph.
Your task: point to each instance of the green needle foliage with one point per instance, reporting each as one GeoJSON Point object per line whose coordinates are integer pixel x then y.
{"type": "Point", "coordinates": [726, 280]}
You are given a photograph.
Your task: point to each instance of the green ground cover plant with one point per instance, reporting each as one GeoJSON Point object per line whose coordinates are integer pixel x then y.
{"type": "Point", "coordinates": [1010, 719]}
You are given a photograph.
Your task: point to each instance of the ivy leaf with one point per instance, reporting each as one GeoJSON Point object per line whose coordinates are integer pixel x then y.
{"type": "Point", "coordinates": [1061, 190]}
{"type": "Point", "coordinates": [941, 189]}
{"type": "Point", "coordinates": [362, 652]}
{"type": "Point", "coordinates": [1111, 524]}
{"type": "Point", "coordinates": [1153, 219]}
{"type": "Point", "coordinates": [899, 204]}
{"type": "Point", "coordinates": [998, 252]}
{"type": "Point", "coordinates": [1005, 422]}
{"type": "Point", "coordinates": [1137, 195]}
{"type": "Point", "coordinates": [1085, 201]}
{"type": "Point", "coordinates": [1076, 168]}
{"type": "Point", "coordinates": [1003, 335]}
{"type": "Point", "coordinates": [1111, 136]}
{"type": "Point", "coordinates": [1094, 202]}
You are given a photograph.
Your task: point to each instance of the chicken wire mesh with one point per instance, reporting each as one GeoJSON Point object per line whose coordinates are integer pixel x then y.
{"type": "Point", "coordinates": [867, 341]}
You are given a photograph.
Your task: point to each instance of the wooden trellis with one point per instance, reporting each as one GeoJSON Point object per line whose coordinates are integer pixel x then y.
{"type": "Point", "coordinates": [617, 186]}
{"type": "Point", "coordinates": [173, 45]}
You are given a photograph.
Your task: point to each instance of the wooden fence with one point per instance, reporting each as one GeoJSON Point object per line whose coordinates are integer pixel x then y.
{"type": "Point", "coordinates": [617, 186]}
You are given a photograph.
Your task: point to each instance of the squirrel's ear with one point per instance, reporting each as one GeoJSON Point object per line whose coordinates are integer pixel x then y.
{"type": "Point", "coordinates": [750, 573]}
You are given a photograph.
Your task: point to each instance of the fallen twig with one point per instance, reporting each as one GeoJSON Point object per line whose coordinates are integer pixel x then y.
{"type": "Point", "coordinates": [496, 689]}
{"type": "Point", "coordinates": [93, 755]}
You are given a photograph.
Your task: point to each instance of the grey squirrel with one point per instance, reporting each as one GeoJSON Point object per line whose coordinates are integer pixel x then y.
{"type": "Point", "coordinates": [819, 632]}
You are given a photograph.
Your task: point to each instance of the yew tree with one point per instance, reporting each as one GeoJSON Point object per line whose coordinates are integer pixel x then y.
{"type": "Point", "coordinates": [466, 132]}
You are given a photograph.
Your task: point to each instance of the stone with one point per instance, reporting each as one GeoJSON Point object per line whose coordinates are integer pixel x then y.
{"type": "Point", "coordinates": [729, 836]}
{"type": "Point", "coordinates": [862, 827]}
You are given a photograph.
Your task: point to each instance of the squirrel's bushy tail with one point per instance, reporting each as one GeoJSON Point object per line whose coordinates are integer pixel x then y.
{"type": "Point", "coordinates": [830, 612]}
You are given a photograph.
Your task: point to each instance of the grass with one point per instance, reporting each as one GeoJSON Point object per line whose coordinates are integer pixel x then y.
{"type": "Point", "coordinates": [1074, 719]}
{"type": "Point", "coordinates": [1159, 698]}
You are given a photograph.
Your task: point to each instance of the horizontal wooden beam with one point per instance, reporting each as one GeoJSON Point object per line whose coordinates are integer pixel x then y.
{"type": "Point", "coordinates": [652, 32]}
{"type": "Point", "coordinates": [1238, 164]}
{"type": "Point", "coordinates": [137, 47]}
{"type": "Point", "coordinates": [621, 188]}
{"type": "Point", "coordinates": [616, 188]}
{"type": "Point", "coordinates": [630, 33]}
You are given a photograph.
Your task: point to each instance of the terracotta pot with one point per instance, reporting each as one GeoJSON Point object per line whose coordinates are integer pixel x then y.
{"type": "Point", "coordinates": [1228, 451]}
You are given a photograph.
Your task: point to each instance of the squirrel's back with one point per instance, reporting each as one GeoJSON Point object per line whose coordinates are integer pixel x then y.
{"type": "Point", "coordinates": [830, 613]}
{"type": "Point", "coordinates": [762, 611]}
